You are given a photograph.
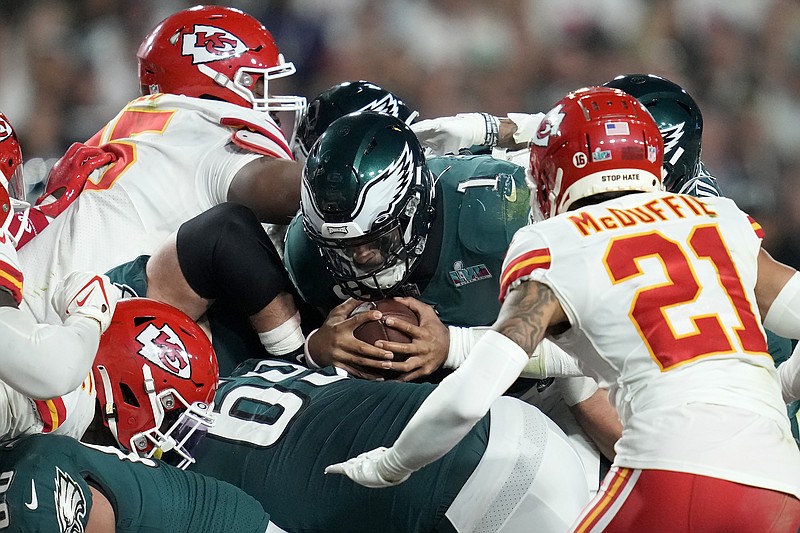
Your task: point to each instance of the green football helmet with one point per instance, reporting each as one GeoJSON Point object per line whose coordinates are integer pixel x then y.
{"type": "Point", "coordinates": [342, 99]}
{"type": "Point", "coordinates": [679, 121]}
{"type": "Point", "coordinates": [367, 201]}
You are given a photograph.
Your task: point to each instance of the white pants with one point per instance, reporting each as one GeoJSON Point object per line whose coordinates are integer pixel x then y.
{"type": "Point", "coordinates": [529, 479]}
{"type": "Point", "coordinates": [551, 403]}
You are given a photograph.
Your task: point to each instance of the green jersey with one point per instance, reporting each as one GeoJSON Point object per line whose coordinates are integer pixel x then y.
{"type": "Point", "coordinates": [481, 203]}
{"type": "Point", "coordinates": [278, 425]}
{"type": "Point", "coordinates": [45, 479]}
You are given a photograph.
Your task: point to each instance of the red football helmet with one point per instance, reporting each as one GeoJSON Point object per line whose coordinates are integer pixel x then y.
{"type": "Point", "coordinates": [594, 140]}
{"type": "Point", "coordinates": [219, 52]}
{"type": "Point", "coordinates": [156, 375]}
{"type": "Point", "coordinates": [12, 192]}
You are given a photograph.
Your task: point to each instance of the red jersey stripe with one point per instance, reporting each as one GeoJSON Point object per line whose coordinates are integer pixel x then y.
{"type": "Point", "coordinates": [53, 413]}
{"type": "Point", "coordinates": [756, 227]}
{"type": "Point", "coordinates": [522, 266]}
{"type": "Point", "coordinates": [11, 279]}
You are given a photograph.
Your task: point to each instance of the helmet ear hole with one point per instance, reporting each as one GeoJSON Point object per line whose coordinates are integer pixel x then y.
{"type": "Point", "coordinates": [128, 396]}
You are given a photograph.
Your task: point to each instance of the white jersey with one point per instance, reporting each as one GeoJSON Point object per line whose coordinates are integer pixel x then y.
{"type": "Point", "coordinates": [67, 415]}
{"type": "Point", "coordinates": [659, 291]}
{"type": "Point", "coordinates": [10, 273]}
{"type": "Point", "coordinates": [176, 159]}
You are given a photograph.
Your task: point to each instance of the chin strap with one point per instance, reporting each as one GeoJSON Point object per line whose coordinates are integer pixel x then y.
{"type": "Point", "coordinates": [223, 81]}
{"type": "Point", "coordinates": [109, 409]}
{"type": "Point", "coordinates": [150, 389]}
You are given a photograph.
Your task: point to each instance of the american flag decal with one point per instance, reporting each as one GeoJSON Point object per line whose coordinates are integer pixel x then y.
{"type": "Point", "coordinates": [522, 266]}
{"type": "Point", "coordinates": [617, 128]}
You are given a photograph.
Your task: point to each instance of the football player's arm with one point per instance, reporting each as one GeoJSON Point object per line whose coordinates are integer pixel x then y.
{"type": "Point", "coordinates": [465, 396]}
{"type": "Point", "coordinates": [270, 187]}
{"type": "Point", "coordinates": [778, 295]}
{"type": "Point", "coordinates": [435, 346]}
{"type": "Point", "coordinates": [44, 361]}
{"type": "Point", "coordinates": [590, 406]}
{"type": "Point", "coordinates": [445, 135]}
{"type": "Point", "coordinates": [65, 182]}
{"type": "Point", "coordinates": [101, 516]}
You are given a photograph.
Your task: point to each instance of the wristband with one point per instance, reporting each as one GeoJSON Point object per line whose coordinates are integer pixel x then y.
{"type": "Point", "coordinates": [492, 124]}
{"type": "Point", "coordinates": [309, 361]}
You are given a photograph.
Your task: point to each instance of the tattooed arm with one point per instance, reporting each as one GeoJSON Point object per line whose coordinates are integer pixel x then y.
{"type": "Point", "coordinates": [466, 395]}
{"type": "Point", "coordinates": [529, 312]}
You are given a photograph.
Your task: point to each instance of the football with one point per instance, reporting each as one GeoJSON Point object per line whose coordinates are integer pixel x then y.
{"type": "Point", "coordinates": [376, 330]}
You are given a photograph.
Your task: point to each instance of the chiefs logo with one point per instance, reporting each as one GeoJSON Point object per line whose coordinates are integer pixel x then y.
{"type": "Point", "coordinates": [548, 126]}
{"type": "Point", "coordinates": [5, 129]}
{"type": "Point", "coordinates": [162, 347]}
{"type": "Point", "coordinates": [209, 43]}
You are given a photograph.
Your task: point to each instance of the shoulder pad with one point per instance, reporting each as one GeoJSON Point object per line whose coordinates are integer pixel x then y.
{"type": "Point", "coordinates": [257, 138]}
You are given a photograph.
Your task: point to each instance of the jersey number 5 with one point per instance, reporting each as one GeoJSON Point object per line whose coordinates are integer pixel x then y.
{"type": "Point", "coordinates": [131, 122]}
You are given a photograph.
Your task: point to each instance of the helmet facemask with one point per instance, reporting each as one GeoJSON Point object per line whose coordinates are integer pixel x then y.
{"type": "Point", "coordinates": [12, 194]}
{"type": "Point", "coordinates": [373, 266]}
{"type": "Point", "coordinates": [174, 424]}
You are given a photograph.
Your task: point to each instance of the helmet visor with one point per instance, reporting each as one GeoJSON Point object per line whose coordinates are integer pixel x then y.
{"type": "Point", "coordinates": [354, 258]}
{"type": "Point", "coordinates": [180, 433]}
{"type": "Point", "coordinates": [16, 185]}
{"type": "Point", "coordinates": [370, 267]}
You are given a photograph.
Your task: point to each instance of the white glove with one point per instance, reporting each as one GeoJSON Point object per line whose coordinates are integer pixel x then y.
{"type": "Point", "coordinates": [368, 469]}
{"type": "Point", "coordinates": [447, 135]}
{"type": "Point", "coordinates": [86, 294]}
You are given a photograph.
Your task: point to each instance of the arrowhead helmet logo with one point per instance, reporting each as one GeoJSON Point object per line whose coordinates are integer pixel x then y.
{"type": "Point", "coordinates": [162, 347]}
{"type": "Point", "coordinates": [548, 126]}
{"type": "Point", "coordinates": [5, 129]}
{"type": "Point", "coordinates": [209, 43]}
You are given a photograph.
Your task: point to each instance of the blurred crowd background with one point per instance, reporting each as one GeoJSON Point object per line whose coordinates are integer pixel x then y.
{"type": "Point", "coordinates": [68, 66]}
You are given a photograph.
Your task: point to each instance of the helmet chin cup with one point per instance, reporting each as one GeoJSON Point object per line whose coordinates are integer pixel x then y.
{"type": "Point", "coordinates": [181, 437]}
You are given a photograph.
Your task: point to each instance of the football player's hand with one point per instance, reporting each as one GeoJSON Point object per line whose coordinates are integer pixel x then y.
{"type": "Point", "coordinates": [447, 135]}
{"type": "Point", "coordinates": [86, 294]}
{"type": "Point", "coordinates": [334, 344]}
{"type": "Point", "coordinates": [430, 342]}
{"type": "Point", "coordinates": [367, 469]}
{"type": "Point", "coordinates": [68, 177]}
